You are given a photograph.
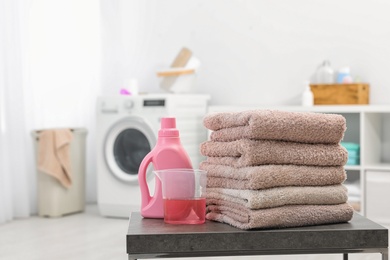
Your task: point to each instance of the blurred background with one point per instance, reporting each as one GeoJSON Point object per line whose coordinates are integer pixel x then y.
{"type": "Point", "coordinates": [58, 56]}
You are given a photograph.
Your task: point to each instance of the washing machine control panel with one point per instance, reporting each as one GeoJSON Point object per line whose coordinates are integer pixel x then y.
{"type": "Point", "coordinates": [137, 105]}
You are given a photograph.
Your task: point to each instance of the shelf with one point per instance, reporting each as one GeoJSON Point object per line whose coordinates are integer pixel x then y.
{"type": "Point", "coordinates": [378, 167]}
{"type": "Point", "coordinates": [352, 167]}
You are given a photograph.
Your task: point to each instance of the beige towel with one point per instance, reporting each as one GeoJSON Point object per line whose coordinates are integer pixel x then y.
{"type": "Point", "coordinates": [246, 152]}
{"type": "Point", "coordinates": [54, 154]}
{"type": "Point", "coordinates": [270, 176]}
{"type": "Point", "coordinates": [276, 197]}
{"type": "Point", "coordinates": [303, 127]}
{"type": "Point", "coordinates": [280, 217]}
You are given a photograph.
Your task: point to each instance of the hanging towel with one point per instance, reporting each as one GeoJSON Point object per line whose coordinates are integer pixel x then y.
{"type": "Point", "coordinates": [246, 152]}
{"type": "Point", "coordinates": [270, 176]}
{"type": "Point", "coordinates": [276, 197]}
{"type": "Point", "coordinates": [279, 217]}
{"type": "Point", "coordinates": [305, 127]}
{"type": "Point", "coordinates": [54, 154]}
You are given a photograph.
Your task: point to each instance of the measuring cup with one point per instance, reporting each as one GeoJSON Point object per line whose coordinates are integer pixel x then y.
{"type": "Point", "coordinates": [183, 193]}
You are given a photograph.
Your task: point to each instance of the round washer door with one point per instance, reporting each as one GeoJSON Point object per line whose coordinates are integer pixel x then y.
{"type": "Point", "coordinates": [127, 143]}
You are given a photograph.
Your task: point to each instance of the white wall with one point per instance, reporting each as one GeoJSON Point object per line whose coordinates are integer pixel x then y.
{"type": "Point", "coordinates": [253, 52]}
{"type": "Point", "coordinates": [63, 47]}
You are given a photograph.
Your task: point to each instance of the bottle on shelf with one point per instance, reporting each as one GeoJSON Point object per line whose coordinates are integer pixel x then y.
{"type": "Point", "coordinates": [307, 95]}
{"type": "Point", "coordinates": [324, 73]}
{"type": "Point", "coordinates": [344, 75]}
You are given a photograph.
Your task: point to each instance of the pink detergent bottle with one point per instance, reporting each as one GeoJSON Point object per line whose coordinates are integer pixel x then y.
{"type": "Point", "coordinates": [167, 154]}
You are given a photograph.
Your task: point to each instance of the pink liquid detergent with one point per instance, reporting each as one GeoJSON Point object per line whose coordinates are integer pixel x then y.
{"type": "Point", "coordinates": [167, 154]}
{"type": "Point", "coordinates": [185, 211]}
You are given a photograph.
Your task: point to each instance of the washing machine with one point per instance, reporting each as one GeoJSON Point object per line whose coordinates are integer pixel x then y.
{"type": "Point", "coordinates": [127, 128]}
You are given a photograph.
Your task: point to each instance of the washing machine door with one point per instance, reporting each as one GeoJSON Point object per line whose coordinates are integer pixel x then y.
{"type": "Point", "coordinates": [127, 143]}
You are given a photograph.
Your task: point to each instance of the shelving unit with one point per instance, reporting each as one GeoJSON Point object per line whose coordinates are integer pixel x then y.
{"type": "Point", "coordinates": [369, 126]}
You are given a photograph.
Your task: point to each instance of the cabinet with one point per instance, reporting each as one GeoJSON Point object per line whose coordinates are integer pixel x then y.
{"type": "Point", "coordinates": [369, 126]}
{"type": "Point", "coordinates": [377, 189]}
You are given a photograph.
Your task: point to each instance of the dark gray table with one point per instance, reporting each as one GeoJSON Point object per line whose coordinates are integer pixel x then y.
{"type": "Point", "coordinates": [152, 238]}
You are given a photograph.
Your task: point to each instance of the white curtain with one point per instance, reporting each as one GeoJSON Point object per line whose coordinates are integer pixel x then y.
{"type": "Point", "coordinates": [49, 78]}
{"type": "Point", "coordinates": [15, 150]}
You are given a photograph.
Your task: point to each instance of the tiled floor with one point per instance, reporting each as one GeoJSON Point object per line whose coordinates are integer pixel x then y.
{"type": "Point", "coordinates": [89, 236]}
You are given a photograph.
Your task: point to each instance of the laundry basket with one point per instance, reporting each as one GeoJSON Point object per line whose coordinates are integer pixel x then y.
{"type": "Point", "coordinates": [54, 199]}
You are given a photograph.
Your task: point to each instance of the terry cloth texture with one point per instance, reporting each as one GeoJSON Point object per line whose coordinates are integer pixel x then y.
{"type": "Point", "coordinates": [276, 197]}
{"type": "Point", "coordinates": [54, 154]}
{"type": "Point", "coordinates": [279, 217]}
{"type": "Point", "coordinates": [246, 152]}
{"type": "Point", "coordinates": [275, 169]}
{"type": "Point", "coordinates": [302, 127]}
{"type": "Point", "coordinates": [270, 176]}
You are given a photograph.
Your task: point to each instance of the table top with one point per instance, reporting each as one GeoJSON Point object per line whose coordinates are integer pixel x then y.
{"type": "Point", "coordinates": [154, 238]}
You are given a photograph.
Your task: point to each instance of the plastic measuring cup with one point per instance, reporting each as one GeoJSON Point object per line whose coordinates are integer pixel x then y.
{"type": "Point", "coordinates": [183, 193]}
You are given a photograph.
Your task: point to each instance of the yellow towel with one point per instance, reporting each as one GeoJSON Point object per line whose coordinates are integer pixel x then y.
{"type": "Point", "coordinates": [54, 154]}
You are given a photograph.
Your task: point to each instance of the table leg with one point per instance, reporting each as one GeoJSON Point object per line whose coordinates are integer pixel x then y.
{"type": "Point", "coordinates": [385, 255]}
{"type": "Point", "coordinates": [345, 256]}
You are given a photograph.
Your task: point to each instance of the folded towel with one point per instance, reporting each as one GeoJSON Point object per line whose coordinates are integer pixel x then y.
{"type": "Point", "coordinates": [270, 176]}
{"type": "Point", "coordinates": [246, 152]}
{"type": "Point", "coordinates": [303, 127]}
{"type": "Point", "coordinates": [276, 197]}
{"type": "Point", "coordinates": [279, 217]}
{"type": "Point", "coordinates": [54, 154]}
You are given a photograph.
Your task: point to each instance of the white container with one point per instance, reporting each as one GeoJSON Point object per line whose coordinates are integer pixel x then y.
{"type": "Point", "coordinates": [54, 200]}
{"type": "Point", "coordinates": [324, 74]}
{"type": "Point", "coordinates": [307, 96]}
{"type": "Point", "coordinates": [132, 87]}
{"type": "Point", "coordinates": [178, 80]}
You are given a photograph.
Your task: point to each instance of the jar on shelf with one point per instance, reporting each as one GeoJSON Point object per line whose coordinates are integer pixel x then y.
{"type": "Point", "coordinates": [324, 73]}
{"type": "Point", "coordinates": [344, 75]}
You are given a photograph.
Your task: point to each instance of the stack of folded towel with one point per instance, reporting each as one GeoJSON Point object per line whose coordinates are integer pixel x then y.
{"type": "Point", "coordinates": [268, 169]}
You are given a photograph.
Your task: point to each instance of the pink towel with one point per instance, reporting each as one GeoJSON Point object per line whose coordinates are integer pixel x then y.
{"type": "Point", "coordinates": [246, 152]}
{"type": "Point", "coordinates": [303, 127]}
{"type": "Point", "coordinates": [54, 154]}
{"type": "Point", "coordinates": [279, 217]}
{"type": "Point", "coordinates": [270, 176]}
{"type": "Point", "coordinates": [281, 196]}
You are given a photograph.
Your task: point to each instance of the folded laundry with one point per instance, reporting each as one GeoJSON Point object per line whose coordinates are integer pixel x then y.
{"type": "Point", "coordinates": [303, 127]}
{"type": "Point", "coordinates": [279, 217]}
{"type": "Point", "coordinates": [270, 176]}
{"type": "Point", "coordinates": [246, 152]}
{"type": "Point", "coordinates": [280, 196]}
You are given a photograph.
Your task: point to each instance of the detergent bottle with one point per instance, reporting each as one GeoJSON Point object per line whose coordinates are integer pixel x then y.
{"type": "Point", "coordinates": [167, 154]}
